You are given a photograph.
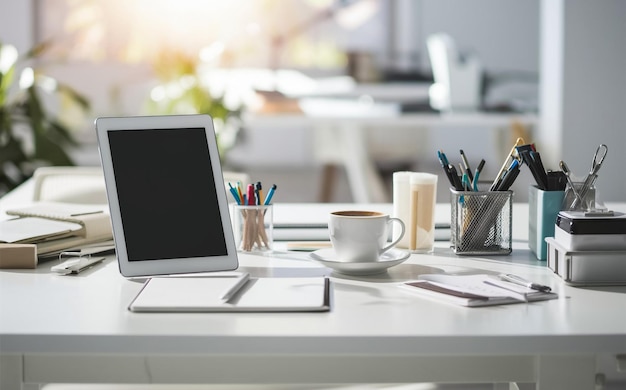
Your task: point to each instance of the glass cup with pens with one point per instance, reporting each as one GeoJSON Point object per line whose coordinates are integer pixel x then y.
{"type": "Point", "coordinates": [252, 217]}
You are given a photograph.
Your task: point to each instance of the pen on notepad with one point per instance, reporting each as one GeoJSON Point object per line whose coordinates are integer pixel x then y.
{"type": "Point", "coordinates": [232, 290]}
{"type": "Point", "coordinates": [523, 282]}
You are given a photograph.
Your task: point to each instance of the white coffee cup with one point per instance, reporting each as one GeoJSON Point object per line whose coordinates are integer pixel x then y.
{"type": "Point", "coordinates": [361, 236]}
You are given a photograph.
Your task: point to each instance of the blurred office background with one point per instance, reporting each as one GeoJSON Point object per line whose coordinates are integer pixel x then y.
{"type": "Point", "coordinates": [560, 62]}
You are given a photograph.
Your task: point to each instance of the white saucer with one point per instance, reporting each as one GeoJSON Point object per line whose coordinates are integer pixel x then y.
{"type": "Point", "coordinates": [328, 258]}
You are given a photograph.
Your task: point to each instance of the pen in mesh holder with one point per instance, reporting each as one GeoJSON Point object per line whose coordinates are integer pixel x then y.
{"type": "Point", "coordinates": [481, 222]}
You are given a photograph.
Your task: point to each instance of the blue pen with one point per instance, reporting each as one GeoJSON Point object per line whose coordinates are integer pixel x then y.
{"type": "Point", "coordinates": [442, 157]}
{"type": "Point", "coordinates": [467, 185]}
{"type": "Point", "coordinates": [477, 173]}
{"type": "Point", "coordinates": [475, 181]}
{"type": "Point", "coordinates": [270, 194]}
{"type": "Point", "coordinates": [235, 193]}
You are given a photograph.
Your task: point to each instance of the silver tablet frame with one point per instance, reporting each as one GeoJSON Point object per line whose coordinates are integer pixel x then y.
{"type": "Point", "coordinates": [142, 268]}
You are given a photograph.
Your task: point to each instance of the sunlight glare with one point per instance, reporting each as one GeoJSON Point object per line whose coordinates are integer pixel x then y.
{"type": "Point", "coordinates": [27, 78]}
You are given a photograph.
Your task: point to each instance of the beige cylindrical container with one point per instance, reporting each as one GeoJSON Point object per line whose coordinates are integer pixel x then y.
{"type": "Point", "coordinates": [422, 200]}
{"type": "Point", "coordinates": [414, 199]}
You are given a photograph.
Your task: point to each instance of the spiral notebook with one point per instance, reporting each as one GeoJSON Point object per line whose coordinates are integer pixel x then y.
{"type": "Point", "coordinates": [56, 226]}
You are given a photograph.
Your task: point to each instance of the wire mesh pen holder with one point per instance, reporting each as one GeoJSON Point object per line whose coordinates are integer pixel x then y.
{"type": "Point", "coordinates": [253, 227]}
{"type": "Point", "coordinates": [481, 222]}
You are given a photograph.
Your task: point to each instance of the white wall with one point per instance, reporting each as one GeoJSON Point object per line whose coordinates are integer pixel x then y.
{"type": "Point", "coordinates": [503, 33]}
{"type": "Point", "coordinates": [15, 23]}
{"type": "Point", "coordinates": [584, 88]}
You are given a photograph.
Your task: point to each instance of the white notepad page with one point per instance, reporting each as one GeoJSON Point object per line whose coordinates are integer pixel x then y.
{"type": "Point", "coordinates": [202, 294]}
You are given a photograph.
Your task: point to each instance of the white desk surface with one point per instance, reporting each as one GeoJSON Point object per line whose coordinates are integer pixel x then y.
{"type": "Point", "coordinates": [78, 329]}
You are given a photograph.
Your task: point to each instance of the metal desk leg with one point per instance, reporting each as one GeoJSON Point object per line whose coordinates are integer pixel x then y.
{"type": "Point", "coordinates": [12, 373]}
{"type": "Point", "coordinates": [566, 372]}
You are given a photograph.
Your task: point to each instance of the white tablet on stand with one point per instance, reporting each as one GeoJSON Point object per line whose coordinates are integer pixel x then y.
{"type": "Point", "coordinates": [166, 195]}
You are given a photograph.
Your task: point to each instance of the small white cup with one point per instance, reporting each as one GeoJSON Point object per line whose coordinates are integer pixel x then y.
{"type": "Point", "coordinates": [361, 236]}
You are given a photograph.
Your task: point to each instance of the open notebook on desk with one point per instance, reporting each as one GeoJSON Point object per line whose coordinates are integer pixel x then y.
{"type": "Point", "coordinates": [475, 290]}
{"type": "Point", "coordinates": [232, 293]}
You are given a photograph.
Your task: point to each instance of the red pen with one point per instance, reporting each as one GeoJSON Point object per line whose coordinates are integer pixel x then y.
{"type": "Point", "coordinates": [250, 191]}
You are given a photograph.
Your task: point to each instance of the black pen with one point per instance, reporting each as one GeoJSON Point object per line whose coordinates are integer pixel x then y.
{"type": "Point", "coordinates": [481, 165]}
{"type": "Point", "coordinates": [523, 282]}
{"type": "Point", "coordinates": [467, 169]}
{"type": "Point", "coordinates": [534, 169]}
{"type": "Point", "coordinates": [509, 177]}
{"type": "Point", "coordinates": [444, 164]}
{"type": "Point", "coordinates": [497, 183]}
{"type": "Point", "coordinates": [541, 171]}
{"type": "Point", "coordinates": [455, 178]}
{"type": "Point", "coordinates": [556, 180]}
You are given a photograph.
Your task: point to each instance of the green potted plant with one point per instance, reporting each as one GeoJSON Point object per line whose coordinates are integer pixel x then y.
{"type": "Point", "coordinates": [181, 91]}
{"type": "Point", "coordinates": [30, 136]}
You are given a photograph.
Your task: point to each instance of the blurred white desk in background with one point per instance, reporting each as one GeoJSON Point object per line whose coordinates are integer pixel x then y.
{"type": "Point", "coordinates": [350, 122]}
{"type": "Point", "coordinates": [341, 127]}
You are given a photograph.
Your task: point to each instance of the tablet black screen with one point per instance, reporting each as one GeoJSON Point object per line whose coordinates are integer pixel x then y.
{"type": "Point", "coordinates": [167, 194]}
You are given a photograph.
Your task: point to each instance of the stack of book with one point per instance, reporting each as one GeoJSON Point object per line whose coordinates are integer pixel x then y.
{"type": "Point", "coordinates": [56, 227]}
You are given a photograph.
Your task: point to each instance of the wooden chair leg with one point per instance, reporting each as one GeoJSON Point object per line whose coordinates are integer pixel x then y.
{"type": "Point", "coordinates": [329, 177]}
